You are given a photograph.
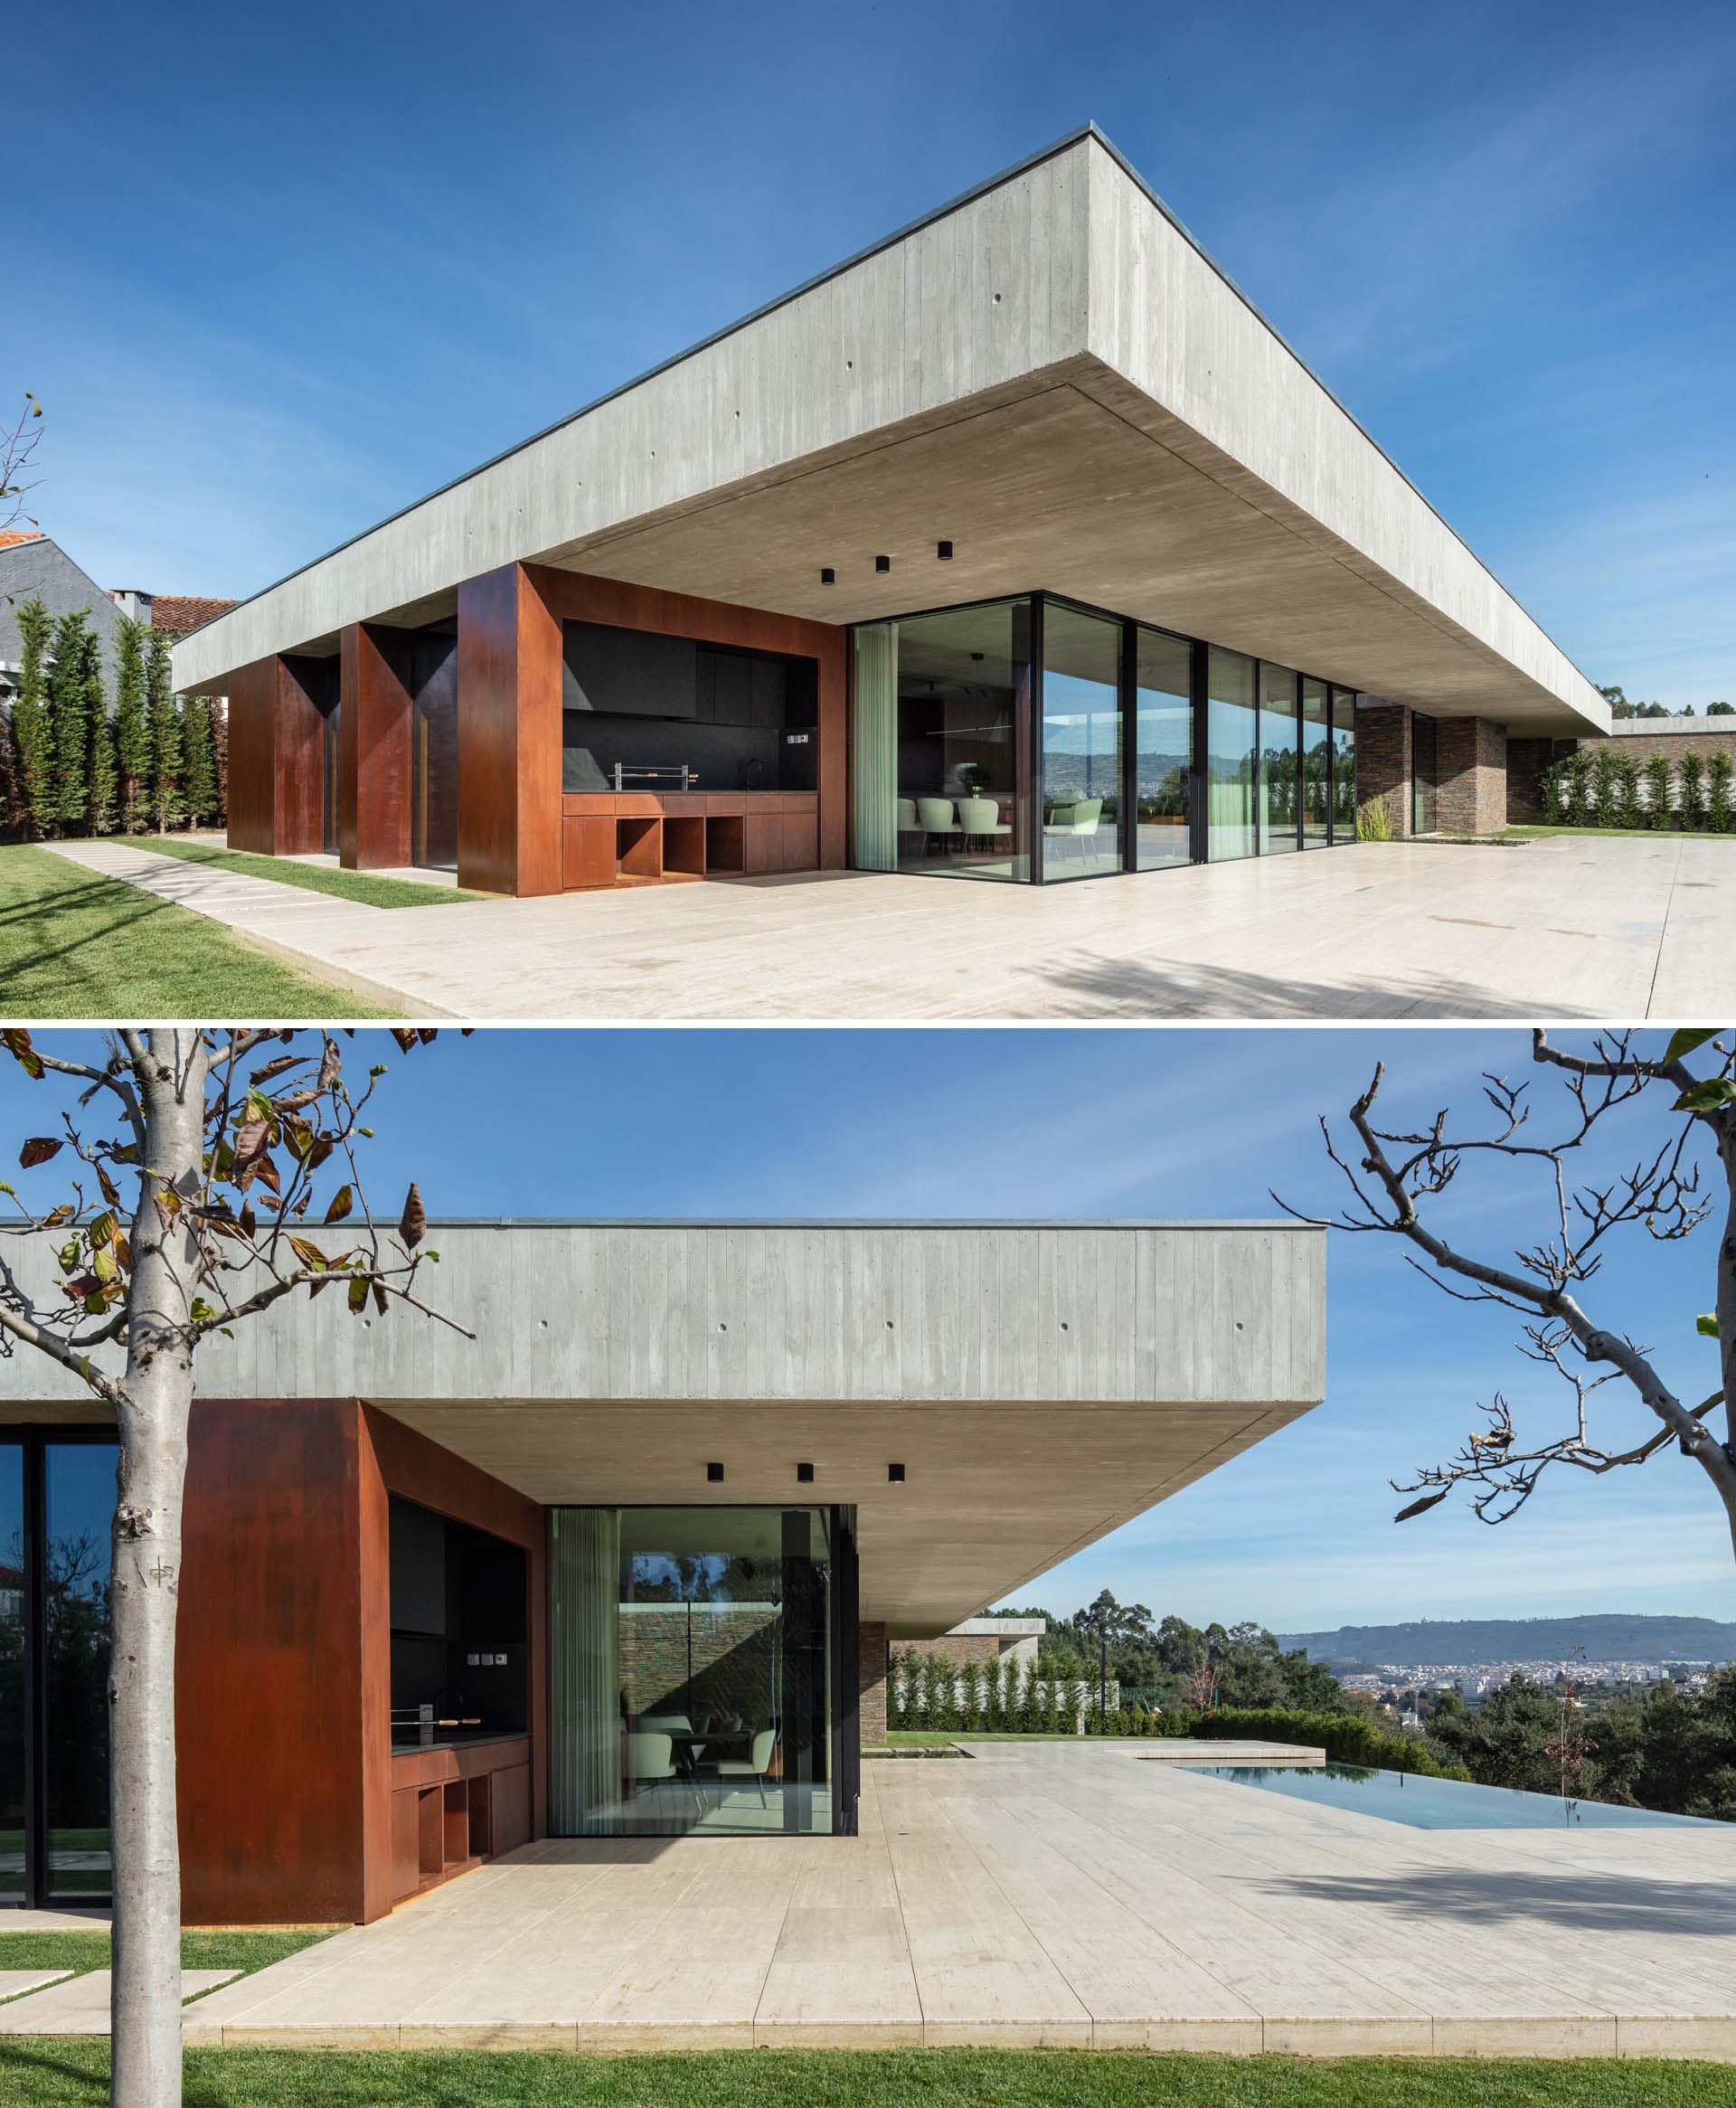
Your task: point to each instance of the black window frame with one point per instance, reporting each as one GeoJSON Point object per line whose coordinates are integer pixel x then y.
{"type": "Point", "coordinates": [1127, 704]}
{"type": "Point", "coordinates": [34, 1439]}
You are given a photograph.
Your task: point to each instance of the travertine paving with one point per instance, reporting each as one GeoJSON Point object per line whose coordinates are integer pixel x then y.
{"type": "Point", "coordinates": [1062, 1893]}
{"type": "Point", "coordinates": [1575, 927]}
{"type": "Point", "coordinates": [79, 2005]}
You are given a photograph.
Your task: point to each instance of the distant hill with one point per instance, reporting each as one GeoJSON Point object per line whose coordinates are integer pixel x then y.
{"type": "Point", "coordinates": [1483, 1641]}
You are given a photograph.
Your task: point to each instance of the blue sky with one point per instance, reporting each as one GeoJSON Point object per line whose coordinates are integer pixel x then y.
{"type": "Point", "coordinates": [276, 274]}
{"type": "Point", "coordinates": [1083, 1124]}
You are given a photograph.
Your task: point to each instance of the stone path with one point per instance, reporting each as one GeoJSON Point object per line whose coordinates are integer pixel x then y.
{"type": "Point", "coordinates": [1064, 1893]}
{"type": "Point", "coordinates": [1575, 927]}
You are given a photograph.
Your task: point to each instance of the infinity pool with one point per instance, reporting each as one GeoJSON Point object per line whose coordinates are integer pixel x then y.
{"type": "Point", "coordinates": [1442, 1803]}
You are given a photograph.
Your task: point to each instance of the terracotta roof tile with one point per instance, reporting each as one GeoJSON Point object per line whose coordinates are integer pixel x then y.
{"type": "Point", "coordinates": [20, 535]}
{"type": "Point", "coordinates": [184, 612]}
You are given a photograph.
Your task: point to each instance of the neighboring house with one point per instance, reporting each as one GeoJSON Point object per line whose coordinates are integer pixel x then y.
{"type": "Point", "coordinates": [1019, 547]}
{"type": "Point", "coordinates": [34, 567]}
{"type": "Point", "coordinates": [628, 1562]}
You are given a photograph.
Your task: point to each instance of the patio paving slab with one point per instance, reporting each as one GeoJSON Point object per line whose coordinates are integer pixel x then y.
{"type": "Point", "coordinates": [1617, 928]}
{"type": "Point", "coordinates": [1056, 1892]}
{"type": "Point", "coordinates": [79, 2005]}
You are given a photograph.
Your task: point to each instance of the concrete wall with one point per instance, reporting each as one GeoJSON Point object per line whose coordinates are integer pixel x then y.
{"type": "Point", "coordinates": [1058, 289]}
{"type": "Point", "coordinates": [1164, 316]}
{"type": "Point", "coordinates": [1161, 1312]}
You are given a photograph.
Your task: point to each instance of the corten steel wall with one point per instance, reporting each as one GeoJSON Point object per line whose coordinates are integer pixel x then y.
{"type": "Point", "coordinates": [276, 759]}
{"type": "Point", "coordinates": [1384, 742]}
{"type": "Point", "coordinates": [373, 755]}
{"type": "Point", "coordinates": [283, 1654]}
{"type": "Point", "coordinates": [1471, 795]}
{"type": "Point", "coordinates": [871, 1684]}
{"type": "Point", "coordinates": [510, 692]}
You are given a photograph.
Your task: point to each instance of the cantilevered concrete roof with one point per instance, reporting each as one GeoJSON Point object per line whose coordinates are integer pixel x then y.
{"type": "Point", "coordinates": [1049, 373]}
{"type": "Point", "coordinates": [1039, 1383]}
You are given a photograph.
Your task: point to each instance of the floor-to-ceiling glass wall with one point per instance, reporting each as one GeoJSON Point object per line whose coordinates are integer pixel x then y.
{"type": "Point", "coordinates": [1082, 834]}
{"type": "Point", "coordinates": [690, 1658]}
{"type": "Point", "coordinates": [942, 739]}
{"type": "Point", "coordinates": [1425, 764]}
{"type": "Point", "coordinates": [1231, 756]}
{"type": "Point", "coordinates": [1317, 763]}
{"type": "Point", "coordinates": [11, 1671]}
{"type": "Point", "coordinates": [1344, 765]}
{"type": "Point", "coordinates": [1163, 683]}
{"type": "Point", "coordinates": [77, 1508]}
{"type": "Point", "coordinates": [57, 1499]}
{"type": "Point", "coordinates": [1279, 803]}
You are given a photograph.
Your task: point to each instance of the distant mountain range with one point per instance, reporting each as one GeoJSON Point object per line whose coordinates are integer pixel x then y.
{"type": "Point", "coordinates": [1483, 1642]}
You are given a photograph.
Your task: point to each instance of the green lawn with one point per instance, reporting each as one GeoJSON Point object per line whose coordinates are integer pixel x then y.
{"type": "Point", "coordinates": [350, 885]}
{"type": "Point", "coordinates": [76, 945]}
{"type": "Point", "coordinates": [1540, 833]}
{"type": "Point", "coordinates": [82, 1951]}
{"type": "Point", "coordinates": [76, 2071]}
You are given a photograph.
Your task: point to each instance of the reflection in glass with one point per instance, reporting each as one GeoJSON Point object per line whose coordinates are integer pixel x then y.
{"type": "Point", "coordinates": [1162, 687]}
{"type": "Point", "coordinates": [79, 1497]}
{"type": "Point", "coordinates": [1425, 762]}
{"type": "Point", "coordinates": [1278, 772]}
{"type": "Point", "coordinates": [690, 1671]}
{"type": "Point", "coordinates": [962, 803]}
{"type": "Point", "coordinates": [1231, 768]}
{"type": "Point", "coordinates": [1344, 765]}
{"type": "Point", "coordinates": [1081, 744]}
{"type": "Point", "coordinates": [12, 1672]}
{"type": "Point", "coordinates": [1316, 762]}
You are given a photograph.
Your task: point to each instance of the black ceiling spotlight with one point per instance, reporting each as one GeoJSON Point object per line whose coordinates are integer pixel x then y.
{"type": "Point", "coordinates": [827, 575]}
{"type": "Point", "coordinates": [882, 563]}
{"type": "Point", "coordinates": [804, 1474]}
{"type": "Point", "coordinates": [943, 551]}
{"type": "Point", "coordinates": [714, 1472]}
{"type": "Point", "coordinates": [895, 1474]}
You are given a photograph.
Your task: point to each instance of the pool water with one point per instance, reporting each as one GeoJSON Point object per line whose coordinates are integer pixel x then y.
{"type": "Point", "coordinates": [1441, 1804]}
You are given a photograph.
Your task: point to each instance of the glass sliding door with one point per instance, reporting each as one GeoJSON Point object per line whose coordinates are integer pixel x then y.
{"type": "Point", "coordinates": [1344, 765]}
{"type": "Point", "coordinates": [874, 705]}
{"type": "Point", "coordinates": [1231, 757]}
{"type": "Point", "coordinates": [1317, 763]}
{"type": "Point", "coordinates": [1279, 761]}
{"type": "Point", "coordinates": [78, 1501]}
{"type": "Point", "coordinates": [1163, 748]}
{"type": "Point", "coordinates": [963, 801]}
{"type": "Point", "coordinates": [12, 1593]}
{"type": "Point", "coordinates": [1081, 744]}
{"type": "Point", "coordinates": [57, 1500]}
{"type": "Point", "coordinates": [691, 1655]}
{"type": "Point", "coordinates": [1425, 763]}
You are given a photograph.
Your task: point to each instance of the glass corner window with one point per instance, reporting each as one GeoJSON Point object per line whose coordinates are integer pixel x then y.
{"type": "Point", "coordinates": [1081, 744]}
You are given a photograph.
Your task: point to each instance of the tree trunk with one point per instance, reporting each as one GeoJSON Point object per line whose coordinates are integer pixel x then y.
{"type": "Point", "coordinates": [146, 2009]}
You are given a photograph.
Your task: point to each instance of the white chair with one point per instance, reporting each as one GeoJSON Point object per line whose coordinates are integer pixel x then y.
{"type": "Point", "coordinates": [907, 822]}
{"type": "Point", "coordinates": [936, 814]}
{"type": "Point", "coordinates": [755, 1765]}
{"type": "Point", "coordinates": [1075, 821]}
{"type": "Point", "coordinates": [981, 816]}
{"type": "Point", "coordinates": [648, 1760]}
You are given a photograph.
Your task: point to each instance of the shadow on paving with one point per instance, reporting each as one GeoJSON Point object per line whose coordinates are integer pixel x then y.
{"type": "Point", "coordinates": [1128, 987]}
{"type": "Point", "coordinates": [1584, 1902]}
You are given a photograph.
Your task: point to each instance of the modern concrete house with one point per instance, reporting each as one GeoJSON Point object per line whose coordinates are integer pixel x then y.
{"type": "Point", "coordinates": [626, 1564]}
{"type": "Point", "coordinates": [1018, 547]}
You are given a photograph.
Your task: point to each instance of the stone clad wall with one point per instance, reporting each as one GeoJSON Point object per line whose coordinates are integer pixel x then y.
{"type": "Point", "coordinates": [1383, 762]}
{"type": "Point", "coordinates": [731, 1657]}
{"type": "Point", "coordinates": [1471, 771]}
{"type": "Point", "coordinates": [1528, 758]}
{"type": "Point", "coordinates": [871, 1684]}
